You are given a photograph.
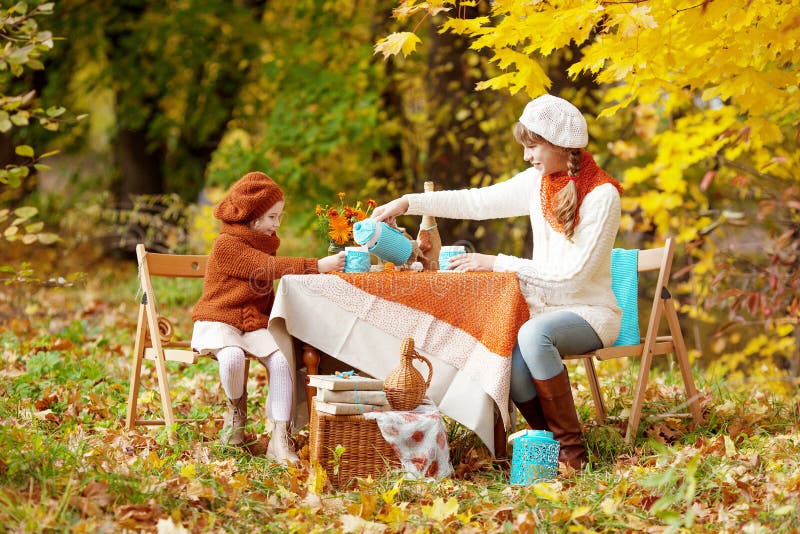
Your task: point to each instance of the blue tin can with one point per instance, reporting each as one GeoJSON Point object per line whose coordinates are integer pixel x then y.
{"type": "Point", "coordinates": [535, 457]}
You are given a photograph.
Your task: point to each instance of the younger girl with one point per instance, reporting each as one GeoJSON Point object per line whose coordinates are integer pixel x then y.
{"type": "Point", "coordinates": [232, 315]}
{"type": "Point", "coordinates": [574, 209]}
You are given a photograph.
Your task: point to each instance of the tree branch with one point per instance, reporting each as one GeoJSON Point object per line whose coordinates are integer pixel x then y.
{"type": "Point", "coordinates": [746, 168]}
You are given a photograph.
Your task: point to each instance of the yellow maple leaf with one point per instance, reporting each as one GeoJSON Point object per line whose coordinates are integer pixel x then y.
{"type": "Point", "coordinates": [188, 470]}
{"type": "Point", "coordinates": [408, 9]}
{"type": "Point", "coordinates": [633, 21]}
{"type": "Point", "coordinates": [388, 495]}
{"type": "Point", "coordinates": [395, 514]}
{"type": "Point", "coordinates": [464, 26]}
{"type": "Point", "coordinates": [546, 491]}
{"type": "Point", "coordinates": [441, 510]}
{"type": "Point", "coordinates": [316, 478]}
{"type": "Point", "coordinates": [579, 512]}
{"type": "Point", "coordinates": [394, 43]}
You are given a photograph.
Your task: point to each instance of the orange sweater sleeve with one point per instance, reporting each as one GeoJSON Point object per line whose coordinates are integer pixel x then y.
{"type": "Point", "coordinates": [240, 260]}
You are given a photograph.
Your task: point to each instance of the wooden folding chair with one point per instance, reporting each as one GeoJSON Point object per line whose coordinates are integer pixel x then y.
{"type": "Point", "coordinates": [658, 259]}
{"type": "Point", "coordinates": [160, 347]}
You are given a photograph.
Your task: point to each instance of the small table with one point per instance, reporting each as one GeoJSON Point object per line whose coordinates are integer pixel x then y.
{"type": "Point", "coordinates": [465, 323]}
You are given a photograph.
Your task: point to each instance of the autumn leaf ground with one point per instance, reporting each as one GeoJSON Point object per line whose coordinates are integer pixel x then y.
{"type": "Point", "coordinates": [67, 464]}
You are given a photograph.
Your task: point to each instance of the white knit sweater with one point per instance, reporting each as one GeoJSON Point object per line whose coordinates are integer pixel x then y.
{"type": "Point", "coordinates": [562, 275]}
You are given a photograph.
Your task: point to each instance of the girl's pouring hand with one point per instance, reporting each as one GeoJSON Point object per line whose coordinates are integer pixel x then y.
{"type": "Point", "coordinates": [471, 262]}
{"type": "Point", "coordinates": [387, 212]}
{"type": "Point", "coordinates": [331, 263]}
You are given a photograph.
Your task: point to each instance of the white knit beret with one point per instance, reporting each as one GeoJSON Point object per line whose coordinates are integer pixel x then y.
{"type": "Point", "coordinates": [556, 120]}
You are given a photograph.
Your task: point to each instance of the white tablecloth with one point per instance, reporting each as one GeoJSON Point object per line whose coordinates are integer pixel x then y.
{"type": "Point", "coordinates": [303, 311]}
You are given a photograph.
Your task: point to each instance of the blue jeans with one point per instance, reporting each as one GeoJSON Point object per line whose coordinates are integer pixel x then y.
{"type": "Point", "coordinates": [540, 343]}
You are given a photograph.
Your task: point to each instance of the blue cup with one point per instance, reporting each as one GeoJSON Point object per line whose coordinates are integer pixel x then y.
{"type": "Point", "coordinates": [356, 260]}
{"type": "Point", "coordinates": [535, 457]}
{"type": "Point", "coordinates": [387, 243]}
{"type": "Point", "coordinates": [445, 253]}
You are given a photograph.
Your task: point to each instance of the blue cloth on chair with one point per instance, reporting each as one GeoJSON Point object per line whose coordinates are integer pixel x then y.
{"type": "Point", "coordinates": [625, 284]}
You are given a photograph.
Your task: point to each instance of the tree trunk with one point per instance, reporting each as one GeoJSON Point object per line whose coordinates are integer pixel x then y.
{"type": "Point", "coordinates": [456, 160]}
{"type": "Point", "coordinates": [139, 169]}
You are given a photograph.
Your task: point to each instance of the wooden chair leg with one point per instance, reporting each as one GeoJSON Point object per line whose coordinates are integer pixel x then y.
{"type": "Point", "coordinates": [500, 436]}
{"type": "Point", "coordinates": [638, 397]}
{"type": "Point", "coordinates": [681, 355]}
{"type": "Point", "coordinates": [161, 373]}
{"type": "Point", "coordinates": [594, 387]}
{"type": "Point", "coordinates": [311, 360]}
{"type": "Point", "coordinates": [644, 371]}
{"type": "Point", "coordinates": [136, 369]}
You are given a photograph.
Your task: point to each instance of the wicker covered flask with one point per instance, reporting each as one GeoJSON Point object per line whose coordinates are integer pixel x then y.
{"type": "Point", "coordinates": [404, 386]}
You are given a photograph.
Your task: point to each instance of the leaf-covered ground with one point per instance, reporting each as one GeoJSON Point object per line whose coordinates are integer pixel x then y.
{"type": "Point", "coordinates": [67, 463]}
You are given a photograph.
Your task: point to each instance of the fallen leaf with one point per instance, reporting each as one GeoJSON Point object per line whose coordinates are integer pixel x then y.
{"type": "Point", "coordinates": [167, 526]}
{"type": "Point", "coordinates": [353, 523]}
{"type": "Point", "coordinates": [441, 510]}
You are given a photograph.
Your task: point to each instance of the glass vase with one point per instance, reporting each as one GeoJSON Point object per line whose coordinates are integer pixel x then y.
{"type": "Point", "coordinates": [334, 248]}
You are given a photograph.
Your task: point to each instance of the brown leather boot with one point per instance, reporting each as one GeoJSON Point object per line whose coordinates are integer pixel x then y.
{"type": "Point", "coordinates": [532, 412]}
{"type": "Point", "coordinates": [232, 432]}
{"type": "Point", "coordinates": [555, 396]}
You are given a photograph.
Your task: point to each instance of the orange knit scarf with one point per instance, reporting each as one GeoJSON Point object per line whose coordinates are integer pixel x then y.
{"type": "Point", "coordinates": [589, 177]}
{"type": "Point", "coordinates": [257, 240]}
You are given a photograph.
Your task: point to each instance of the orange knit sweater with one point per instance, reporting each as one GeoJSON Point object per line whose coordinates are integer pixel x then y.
{"type": "Point", "coordinates": [238, 286]}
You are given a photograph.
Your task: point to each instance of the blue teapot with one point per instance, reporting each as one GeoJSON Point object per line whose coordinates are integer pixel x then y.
{"type": "Point", "coordinates": [387, 243]}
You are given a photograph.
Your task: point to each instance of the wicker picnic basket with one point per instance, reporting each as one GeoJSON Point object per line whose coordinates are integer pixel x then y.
{"type": "Point", "coordinates": [404, 386]}
{"type": "Point", "coordinates": [366, 453]}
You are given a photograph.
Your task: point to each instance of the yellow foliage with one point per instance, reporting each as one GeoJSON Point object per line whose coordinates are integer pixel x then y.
{"type": "Point", "coordinates": [704, 96]}
{"type": "Point", "coordinates": [405, 42]}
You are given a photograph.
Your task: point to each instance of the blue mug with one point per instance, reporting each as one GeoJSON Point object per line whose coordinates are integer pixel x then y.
{"type": "Point", "coordinates": [387, 243]}
{"type": "Point", "coordinates": [356, 260]}
{"type": "Point", "coordinates": [447, 252]}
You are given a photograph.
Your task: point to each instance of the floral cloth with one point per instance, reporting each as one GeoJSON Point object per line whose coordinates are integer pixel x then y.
{"type": "Point", "coordinates": [419, 438]}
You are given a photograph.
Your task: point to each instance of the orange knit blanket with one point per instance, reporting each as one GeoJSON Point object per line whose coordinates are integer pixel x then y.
{"type": "Point", "coordinates": [488, 306]}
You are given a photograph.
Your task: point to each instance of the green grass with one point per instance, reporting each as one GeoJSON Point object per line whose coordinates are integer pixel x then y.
{"type": "Point", "coordinates": [67, 464]}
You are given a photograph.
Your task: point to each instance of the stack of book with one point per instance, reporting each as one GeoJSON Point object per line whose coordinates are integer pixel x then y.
{"type": "Point", "coordinates": [348, 394]}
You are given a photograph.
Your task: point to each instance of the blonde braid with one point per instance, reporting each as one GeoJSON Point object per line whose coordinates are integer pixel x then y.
{"type": "Point", "coordinates": [566, 200]}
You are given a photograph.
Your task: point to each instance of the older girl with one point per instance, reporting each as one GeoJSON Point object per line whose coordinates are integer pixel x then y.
{"type": "Point", "coordinates": [574, 208]}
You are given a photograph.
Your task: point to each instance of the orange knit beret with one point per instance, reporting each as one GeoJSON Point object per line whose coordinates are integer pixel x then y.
{"type": "Point", "coordinates": [248, 199]}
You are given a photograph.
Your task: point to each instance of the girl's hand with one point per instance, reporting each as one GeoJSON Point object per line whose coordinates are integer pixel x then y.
{"type": "Point", "coordinates": [388, 212]}
{"type": "Point", "coordinates": [472, 262]}
{"type": "Point", "coordinates": [331, 263]}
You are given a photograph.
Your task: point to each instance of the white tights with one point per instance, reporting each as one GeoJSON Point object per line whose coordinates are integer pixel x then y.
{"type": "Point", "coordinates": [231, 374]}
{"type": "Point", "coordinates": [280, 385]}
{"type": "Point", "coordinates": [231, 371]}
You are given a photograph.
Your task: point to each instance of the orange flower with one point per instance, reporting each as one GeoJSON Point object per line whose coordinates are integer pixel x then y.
{"type": "Point", "coordinates": [371, 203]}
{"type": "Point", "coordinates": [341, 195]}
{"type": "Point", "coordinates": [340, 231]}
{"type": "Point", "coordinates": [320, 210]}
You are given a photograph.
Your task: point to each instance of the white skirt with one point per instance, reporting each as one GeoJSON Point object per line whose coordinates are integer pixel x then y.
{"type": "Point", "coordinates": [210, 336]}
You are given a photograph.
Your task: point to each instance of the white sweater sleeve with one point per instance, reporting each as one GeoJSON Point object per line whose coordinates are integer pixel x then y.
{"type": "Point", "coordinates": [505, 199]}
{"type": "Point", "coordinates": [570, 265]}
